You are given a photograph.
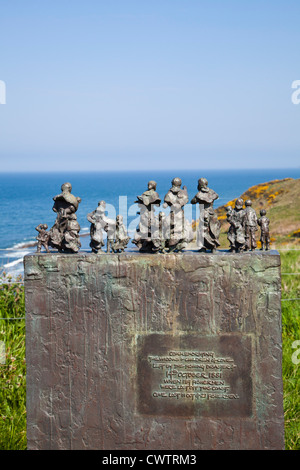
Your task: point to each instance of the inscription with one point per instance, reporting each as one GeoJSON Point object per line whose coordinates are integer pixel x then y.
{"type": "Point", "coordinates": [193, 375]}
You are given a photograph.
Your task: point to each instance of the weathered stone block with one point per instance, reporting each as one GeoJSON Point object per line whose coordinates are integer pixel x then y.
{"type": "Point", "coordinates": [137, 351]}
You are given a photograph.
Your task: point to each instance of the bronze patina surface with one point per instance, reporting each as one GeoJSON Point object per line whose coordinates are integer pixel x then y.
{"type": "Point", "coordinates": [154, 351]}
{"type": "Point", "coordinates": [194, 376]}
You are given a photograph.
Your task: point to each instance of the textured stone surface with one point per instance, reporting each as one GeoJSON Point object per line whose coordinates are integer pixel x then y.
{"type": "Point", "coordinates": [136, 351]}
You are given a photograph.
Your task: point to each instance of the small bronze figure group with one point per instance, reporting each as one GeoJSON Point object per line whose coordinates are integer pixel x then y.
{"type": "Point", "coordinates": [117, 239]}
{"type": "Point", "coordinates": [244, 225]}
{"type": "Point", "coordinates": [162, 233]}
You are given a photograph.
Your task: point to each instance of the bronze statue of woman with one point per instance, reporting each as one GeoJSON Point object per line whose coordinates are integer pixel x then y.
{"type": "Point", "coordinates": [180, 232]}
{"type": "Point", "coordinates": [208, 225]}
{"type": "Point", "coordinates": [145, 232]}
{"type": "Point", "coordinates": [64, 235]}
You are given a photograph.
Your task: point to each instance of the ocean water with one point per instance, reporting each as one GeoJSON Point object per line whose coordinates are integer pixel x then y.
{"type": "Point", "coordinates": [26, 200]}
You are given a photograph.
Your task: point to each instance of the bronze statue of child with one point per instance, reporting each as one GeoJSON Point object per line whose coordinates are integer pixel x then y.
{"type": "Point", "coordinates": [121, 239]}
{"type": "Point", "coordinates": [42, 238]}
{"type": "Point", "coordinates": [250, 226]}
{"type": "Point", "coordinates": [264, 223]}
{"type": "Point", "coordinates": [236, 232]}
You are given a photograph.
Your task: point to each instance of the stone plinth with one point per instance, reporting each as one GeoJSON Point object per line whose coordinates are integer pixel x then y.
{"type": "Point", "coordinates": [137, 351]}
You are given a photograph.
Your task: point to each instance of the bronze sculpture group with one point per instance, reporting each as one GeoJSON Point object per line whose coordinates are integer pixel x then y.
{"type": "Point", "coordinates": [160, 233]}
{"type": "Point", "coordinates": [117, 239]}
{"type": "Point", "coordinates": [244, 225]}
{"type": "Point", "coordinates": [163, 233]}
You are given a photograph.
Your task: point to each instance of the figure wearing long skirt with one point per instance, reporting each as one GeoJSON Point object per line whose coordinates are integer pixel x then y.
{"type": "Point", "coordinates": [147, 202]}
{"type": "Point", "coordinates": [100, 223]}
{"type": "Point", "coordinates": [208, 224]}
{"type": "Point", "coordinates": [236, 232]}
{"type": "Point", "coordinates": [121, 239]}
{"type": "Point", "coordinates": [64, 235]}
{"type": "Point", "coordinates": [180, 235]}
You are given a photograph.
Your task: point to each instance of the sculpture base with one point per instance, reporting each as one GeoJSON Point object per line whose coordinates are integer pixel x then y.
{"type": "Point", "coordinates": [143, 351]}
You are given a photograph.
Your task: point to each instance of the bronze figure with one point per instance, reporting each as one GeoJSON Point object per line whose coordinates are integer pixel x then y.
{"type": "Point", "coordinates": [64, 235]}
{"type": "Point", "coordinates": [208, 224]}
{"type": "Point", "coordinates": [144, 234]}
{"type": "Point", "coordinates": [100, 223]}
{"type": "Point", "coordinates": [250, 222]}
{"type": "Point", "coordinates": [120, 240]}
{"type": "Point", "coordinates": [180, 232]}
{"type": "Point", "coordinates": [264, 223]}
{"type": "Point", "coordinates": [97, 226]}
{"type": "Point", "coordinates": [236, 232]}
{"type": "Point", "coordinates": [161, 234]}
{"type": "Point", "coordinates": [42, 238]}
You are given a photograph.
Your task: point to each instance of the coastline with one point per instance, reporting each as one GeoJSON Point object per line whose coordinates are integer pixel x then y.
{"type": "Point", "coordinates": [108, 187]}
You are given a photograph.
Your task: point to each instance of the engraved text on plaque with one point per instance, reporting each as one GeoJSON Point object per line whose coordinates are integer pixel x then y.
{"type": "Point", "coordinates": [184, 375]}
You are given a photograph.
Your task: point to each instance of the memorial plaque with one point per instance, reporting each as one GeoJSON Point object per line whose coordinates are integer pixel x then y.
{"type": "Point", "coordinates": [154, 351]}
{"type": "Point", "coordinates": [195, 376]}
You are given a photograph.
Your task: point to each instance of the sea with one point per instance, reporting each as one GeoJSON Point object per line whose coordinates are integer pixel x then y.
{"type": "Point", "coordinates": [26, 200]}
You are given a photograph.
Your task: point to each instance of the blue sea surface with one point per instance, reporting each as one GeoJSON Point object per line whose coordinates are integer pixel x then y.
{"type": "Point", "coordinates": [27, 199]}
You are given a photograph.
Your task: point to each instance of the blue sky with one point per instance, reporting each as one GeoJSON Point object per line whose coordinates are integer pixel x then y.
{"type": "Point", "coordinates": [120, 84]}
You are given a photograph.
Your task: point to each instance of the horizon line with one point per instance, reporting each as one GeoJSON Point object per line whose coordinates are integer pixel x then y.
{"type": "Point", "coordinates": [148, 170]}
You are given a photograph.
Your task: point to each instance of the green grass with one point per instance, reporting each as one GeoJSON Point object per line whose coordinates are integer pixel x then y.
{"type": "Point", "coordinates": [291, 333]}
{"type": "Point", "coordinates": [13, 369]}
{"type": "Point", "coordinates": [13, 372]}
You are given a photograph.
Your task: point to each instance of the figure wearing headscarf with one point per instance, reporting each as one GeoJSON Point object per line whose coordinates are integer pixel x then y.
{"type": "Point", "coordinates": [64, 235]}
{"type": "Point", "coordinates": [143, 238]}
{"type": "Point", "coordinates": [179, 233]}
{"type": "Point", "coordinates": [100, 223]}
{"type": "Point", "coordinates": [121, 239]}
{"type": "Point", "coordinates": [236, 232]}
{"type": "Point", "coordinates": [250, 226]}
{"type": "Point", "coordinates": [209, 227]}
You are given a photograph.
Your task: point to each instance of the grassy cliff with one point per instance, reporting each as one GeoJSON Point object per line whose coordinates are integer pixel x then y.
{"type": "Point", "coordinates": [281, 199]}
